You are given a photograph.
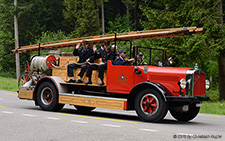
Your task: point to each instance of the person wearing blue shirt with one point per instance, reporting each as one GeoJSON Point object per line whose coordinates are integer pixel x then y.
{"type": "Point", "coordinates": [121, 59]}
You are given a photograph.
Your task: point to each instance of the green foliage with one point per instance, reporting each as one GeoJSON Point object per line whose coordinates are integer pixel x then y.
{"type": "Point", "coordinates": [213, 94]}
{"type": "Point", "coordinates": [8, 84]}
{"type": "Point", "coordinates": [49, 36]}
{"type": "Point", "coordinates": [187, 50]}
{"type": "Point", "coordinates": [52, 36]}
{"type": "Point", "coordinates": [81, 15]}
{"type": "Point", "coordinates": [119, 25]}
{"type": "Point", "coordinates": [213, 107]}
{"type": "Point", "coordinates": [7, 60]}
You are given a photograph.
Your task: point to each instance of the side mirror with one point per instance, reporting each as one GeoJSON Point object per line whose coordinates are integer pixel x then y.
{"type": "Point", "coordinates": [136, 70]}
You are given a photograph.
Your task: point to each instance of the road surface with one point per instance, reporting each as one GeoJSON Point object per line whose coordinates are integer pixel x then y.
{"type": "Point", "coordinates": [21, 120]}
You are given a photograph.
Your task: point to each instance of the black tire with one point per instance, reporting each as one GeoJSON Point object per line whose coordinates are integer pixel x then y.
{"type": "Point", "coordinates": [47, 97]}
{"type": "Point", "coordinates": [150, 105]}
{"type": "Point", "coordinates": [84, 108]}
{"type": "Point", "coordinates": [185, 116]}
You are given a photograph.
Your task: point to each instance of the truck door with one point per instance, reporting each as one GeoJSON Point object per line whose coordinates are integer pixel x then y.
{"type": "Point", "coordinates": [120, 79]}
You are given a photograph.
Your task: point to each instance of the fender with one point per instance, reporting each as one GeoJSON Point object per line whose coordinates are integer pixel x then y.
{"type": "Point", "coordinates": [141, 86]}
{"type": "Point", "coordinates": [52, 79]}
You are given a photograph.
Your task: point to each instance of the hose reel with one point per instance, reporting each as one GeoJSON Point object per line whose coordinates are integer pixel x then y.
{"type": "Point", "coordinates": [42, 62]}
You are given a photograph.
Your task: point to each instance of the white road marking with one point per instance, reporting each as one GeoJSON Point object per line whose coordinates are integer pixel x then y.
{"type": "Point", "coordinates": [29, 115]}
{"type": "Point", "coordinates": [7, 112]}
{"type": "Point", "coordinates": [149, 130]}
{"type": "Point", "coordinates": [110, 125]}
{"type": "Point", "coordinates": [52, 118]}
{"type": "Point", "coordinates": [78, 121]}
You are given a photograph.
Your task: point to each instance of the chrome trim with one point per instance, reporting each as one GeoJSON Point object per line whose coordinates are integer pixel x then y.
{"type": "Point", "coordinates": [190, 75]}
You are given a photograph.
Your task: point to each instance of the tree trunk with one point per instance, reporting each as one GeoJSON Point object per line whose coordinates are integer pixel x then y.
{"type": "Point", "coordinates": [221, 58]}
{"type": "Point", "coordinates": [16, 44]}
{"type": "Point", "coordinates": [221, 64]}
{"type": "Point", "coordinates": [103, 19]}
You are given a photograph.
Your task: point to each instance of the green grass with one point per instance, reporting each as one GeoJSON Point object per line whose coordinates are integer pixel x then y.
{"type": "Point", "coordinates": [216, 107]}
{"type": "Point", "coordinates": [8, 84]}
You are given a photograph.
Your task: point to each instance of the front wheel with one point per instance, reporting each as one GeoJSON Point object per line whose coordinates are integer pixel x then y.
{"type": "Point", "coordinates": [185, 116]}
{"type": "Point", "coordinates": [150, 105]}
{"type": "Point", "coordinates": [47, 97]}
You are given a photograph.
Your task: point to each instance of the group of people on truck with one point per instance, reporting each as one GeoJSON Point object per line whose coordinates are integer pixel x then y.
{"type": "Point", "coordinates": [88, 54]}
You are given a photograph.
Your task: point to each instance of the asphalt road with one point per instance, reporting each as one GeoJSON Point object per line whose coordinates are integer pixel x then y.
{"type": "Point", "coordinates": [21, 120]}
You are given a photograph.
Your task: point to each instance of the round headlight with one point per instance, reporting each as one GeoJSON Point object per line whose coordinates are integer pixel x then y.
{"type": "Point", "coordinates": [207, 84]}
{"type": "Point", "coordinates": [182, 83]}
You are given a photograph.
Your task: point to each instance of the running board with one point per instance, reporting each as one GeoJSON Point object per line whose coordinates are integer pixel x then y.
{"type": "Point", "coordinates": [93, 101]}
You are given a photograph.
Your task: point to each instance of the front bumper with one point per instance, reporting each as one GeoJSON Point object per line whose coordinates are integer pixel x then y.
{"type": "Point", "coordinates": [191, 99]}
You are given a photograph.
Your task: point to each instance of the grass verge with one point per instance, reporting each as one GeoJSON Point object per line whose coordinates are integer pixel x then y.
{"type": "Point", "coordinates": [8, 84]}
{"type": "Point", "coordinates": [215, 107]}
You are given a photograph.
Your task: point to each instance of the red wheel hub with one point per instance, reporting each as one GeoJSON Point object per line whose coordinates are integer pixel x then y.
{"type": "Point", "coordinates": [149, 104]}
{"type": "Point", "coordinates": [48, 96]}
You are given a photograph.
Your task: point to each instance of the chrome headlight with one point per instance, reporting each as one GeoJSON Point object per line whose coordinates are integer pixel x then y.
{"type": "Point", "coordinates": [207, 84]}
{"type": "Point", "coordinates": [182, 83]}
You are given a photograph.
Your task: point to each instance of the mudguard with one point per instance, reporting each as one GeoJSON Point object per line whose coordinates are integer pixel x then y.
{"type": "Point", "coordinates": [51, 79]}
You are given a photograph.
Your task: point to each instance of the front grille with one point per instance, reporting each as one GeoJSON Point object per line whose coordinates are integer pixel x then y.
{"type": "Point", "coordinates": [196, 83]}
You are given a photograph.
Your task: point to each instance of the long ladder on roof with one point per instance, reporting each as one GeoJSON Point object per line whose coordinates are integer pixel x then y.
{"type": "Point", "coordinates": [127, 36]}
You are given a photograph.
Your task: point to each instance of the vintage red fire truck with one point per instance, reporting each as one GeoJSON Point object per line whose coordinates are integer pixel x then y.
{"type": "Point", "coordinates": [149, 90]}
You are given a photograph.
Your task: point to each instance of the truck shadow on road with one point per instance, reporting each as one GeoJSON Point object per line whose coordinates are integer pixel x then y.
{"type": "Point", "coordinates": [123, 116]}
{"type": "Point", "coordinates": [118, 116]}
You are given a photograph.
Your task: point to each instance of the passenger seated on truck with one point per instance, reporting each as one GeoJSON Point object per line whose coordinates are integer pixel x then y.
{"type": "Point", "coordinates": [84, 53]}
{"type": "Point", "coordinates": [102, 48]}
{"type": "Point", "coordinates": [140, 60]}
{"type": "Point", "coordinates": [121, 59]}
{"type": "Point", "coordinates": [106, 54]}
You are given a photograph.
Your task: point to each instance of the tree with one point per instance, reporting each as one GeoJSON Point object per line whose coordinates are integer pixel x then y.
{"type": "Point", "coordinates": [221, 58]}
{"type": "Point", "coordinates": [81, 15]}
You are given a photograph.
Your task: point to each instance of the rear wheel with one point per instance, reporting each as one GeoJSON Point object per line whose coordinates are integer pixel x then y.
{"type": "Point", "coordinates": [24, 78]}
{"type": "Point", "coordinates": [47, 97]}
{"type": "Point", "coordinates": [83, 108]}
{"type": "Point", "coordinates": [185, 116]}
{"type": "Point", "coordinates": [150, 105]}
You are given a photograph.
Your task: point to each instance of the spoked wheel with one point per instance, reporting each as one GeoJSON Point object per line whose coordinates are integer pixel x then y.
{"type": "Point", "coordinates": [150, 105]}
{"type": "Point", "coordinates": [24, 78]}
{"type": "Point", "coordinates": [47, 97]}
{"type": "Point", "coordinates": [84, 108]}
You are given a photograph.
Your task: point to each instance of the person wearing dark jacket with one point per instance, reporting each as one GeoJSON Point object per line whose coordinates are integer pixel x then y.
{"type": "Point", "coordinates": [106, 55]}
{"type": "Point", "coordinates": [121, 59]}
{"type": "Point", "coordinates": [84, 53]}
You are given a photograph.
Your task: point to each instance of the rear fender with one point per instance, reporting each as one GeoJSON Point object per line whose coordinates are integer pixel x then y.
{"type": "Point", "coordinates": [51, 79]}
{"type": "Point", "coordinates": [140, 87]}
